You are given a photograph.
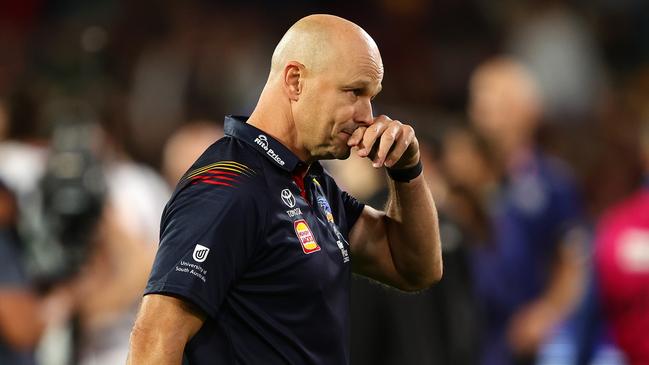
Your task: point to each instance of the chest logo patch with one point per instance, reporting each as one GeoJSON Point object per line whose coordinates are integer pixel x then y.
{"type": "Point", "coordinates": [305, 236]}
{"type": "Point", "coordinates": [200, 253]}
{"type": "Point", "coordinates": [288, 198]}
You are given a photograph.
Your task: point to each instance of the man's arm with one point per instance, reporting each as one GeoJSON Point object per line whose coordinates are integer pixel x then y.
{"type": "Point", "coordinates": [162, 329]}
{"type": "Point", "coordinates": [24, 316]}
{"type": "Point", "coordinates": [531, 325]}
{"type": "Point", "coordinates": [401, 246]}
{"type": "Point", "coordinates": [21, 324]}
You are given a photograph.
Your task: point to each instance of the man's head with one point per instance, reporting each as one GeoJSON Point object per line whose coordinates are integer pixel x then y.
{"type": "Point", "coordinates": [324, 73]}
{"type": "Point", "coordinates": [505, 105]}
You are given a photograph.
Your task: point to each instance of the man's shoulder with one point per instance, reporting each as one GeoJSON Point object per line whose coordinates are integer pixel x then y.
{"type": "Point", "coordinates": [228, 165]}
{"type": "Point", "coordinates": [228, 148]}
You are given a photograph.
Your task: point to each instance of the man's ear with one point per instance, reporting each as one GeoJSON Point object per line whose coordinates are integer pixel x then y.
{"type": "Point", "coordinates": [293, 79]}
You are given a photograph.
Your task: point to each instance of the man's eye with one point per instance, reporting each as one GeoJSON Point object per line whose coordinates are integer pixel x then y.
{"type": "Point", "coordinates": [355, 92]}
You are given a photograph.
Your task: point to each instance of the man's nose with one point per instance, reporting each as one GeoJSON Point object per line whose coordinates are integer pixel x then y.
{"type": "Point", "coordinates": [364, 114]}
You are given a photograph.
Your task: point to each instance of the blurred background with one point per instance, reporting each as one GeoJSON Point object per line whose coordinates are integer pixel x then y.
{"type": "Point", "coordinates": [533, 116]}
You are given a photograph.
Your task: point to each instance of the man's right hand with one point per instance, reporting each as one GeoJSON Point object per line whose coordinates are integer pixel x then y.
{"type": "Point", "coordinates": [162, 329]}
{"type": "Point", "coordinates": [387, 142]}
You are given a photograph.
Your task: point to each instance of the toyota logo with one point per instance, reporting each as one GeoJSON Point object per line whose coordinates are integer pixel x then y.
{"type": "Point", "coordinates": [288, 198]}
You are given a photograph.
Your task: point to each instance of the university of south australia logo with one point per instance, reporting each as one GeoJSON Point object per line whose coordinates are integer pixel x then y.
{"type": "Point", "coordinates": [200, 253]}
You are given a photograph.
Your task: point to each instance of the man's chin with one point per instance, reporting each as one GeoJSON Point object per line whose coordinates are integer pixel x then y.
{"type": "Point", "coordinates": [343, 154]}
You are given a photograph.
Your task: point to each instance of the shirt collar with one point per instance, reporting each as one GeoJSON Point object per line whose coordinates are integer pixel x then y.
{"type": "Point", "coordinates": [272, 149]}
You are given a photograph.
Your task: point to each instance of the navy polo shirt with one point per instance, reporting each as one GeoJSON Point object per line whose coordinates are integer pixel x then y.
{"type": "Point", "coordinates": [262, 251]}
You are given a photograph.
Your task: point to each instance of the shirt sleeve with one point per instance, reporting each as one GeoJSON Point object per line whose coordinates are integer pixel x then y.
{"type": "Point", "coordinates": [208, 235]}
{"type": "Point", "coordinates": [353, 208]}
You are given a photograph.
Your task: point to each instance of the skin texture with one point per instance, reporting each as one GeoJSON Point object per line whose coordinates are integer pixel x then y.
{"type": "Point", "coordinates": [317, 102]}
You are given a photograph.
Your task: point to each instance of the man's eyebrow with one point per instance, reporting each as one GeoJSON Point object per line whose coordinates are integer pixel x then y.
{"type": "Point", "coordinates": [364, 85]}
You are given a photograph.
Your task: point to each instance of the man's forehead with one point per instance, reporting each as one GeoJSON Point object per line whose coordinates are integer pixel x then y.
{"type": "Point", "coordinates": [367, 83]}
{"type": "Point", "coordinates": [365, 67]}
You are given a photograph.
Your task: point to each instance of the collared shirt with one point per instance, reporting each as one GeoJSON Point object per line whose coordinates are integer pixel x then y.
{"type": "Point", "coordinates": [268, 263]}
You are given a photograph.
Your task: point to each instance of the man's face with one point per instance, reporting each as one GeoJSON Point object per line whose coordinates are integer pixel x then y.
{"type": "Point", "coordinates": [503, 104]}
{"type": "Point", "coordinates": [336, 101]}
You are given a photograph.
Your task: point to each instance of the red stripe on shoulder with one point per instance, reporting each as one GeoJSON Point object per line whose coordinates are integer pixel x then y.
{"type": "Point", "coordinates": [216, 183]}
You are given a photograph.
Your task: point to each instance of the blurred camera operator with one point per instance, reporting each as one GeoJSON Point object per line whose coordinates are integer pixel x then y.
{"type": "Point", "coordinates": [24, 313]}
{"type": "Point", "coordinates": [88, 216]}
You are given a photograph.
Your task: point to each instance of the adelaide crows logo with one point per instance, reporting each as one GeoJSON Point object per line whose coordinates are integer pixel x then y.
{"type": "Point", "coordinates": [200, 253]}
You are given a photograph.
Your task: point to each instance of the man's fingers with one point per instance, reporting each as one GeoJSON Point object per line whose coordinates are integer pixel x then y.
{"type": "Point", "coordinates": [372, 133]}
{"type": "Point", "coordinates": [388, 138]}
{"type": "Point", "coordinates": [400, 146]}
{"type": "Point", "coordinates": [385, 142]}
{"type": "Point", "coordinates": [356, 136]}
{"type": "Point", "coordinates": [370, 137]}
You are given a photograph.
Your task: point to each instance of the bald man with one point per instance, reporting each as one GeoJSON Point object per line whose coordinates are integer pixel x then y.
{"type": "Point", "coordinates": [258, 243]}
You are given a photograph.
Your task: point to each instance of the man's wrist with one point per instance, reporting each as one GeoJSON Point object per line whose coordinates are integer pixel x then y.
{"type": "Point", "coordinates": [406, 174]}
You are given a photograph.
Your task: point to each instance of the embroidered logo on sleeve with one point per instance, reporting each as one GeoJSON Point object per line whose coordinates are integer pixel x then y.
{"type": "Point", "coordinates": [224, 173]}
{"type": "Point", "coordinates": [200, 253]}
{"type": "Point", "coordinates": [304, 234]}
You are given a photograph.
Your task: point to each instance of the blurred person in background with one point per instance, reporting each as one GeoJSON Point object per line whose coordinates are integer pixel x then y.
{"type": "Point", "coordinates": [622, 266]}
{"type": "Point", "coordinates": [469, 164]}
{"type": "Point", "coordinates": [115, 273]}
{"type": "Point", "coordinates": [185, 145]}
{"type": "Point", "coordinates": [529, 274]}
{"type": "Point", "coordinates": [22, 147]}
{"type": "Point", "coordinates": [120, 244]}
{"type": "Point", "coordinates": [25, 313]}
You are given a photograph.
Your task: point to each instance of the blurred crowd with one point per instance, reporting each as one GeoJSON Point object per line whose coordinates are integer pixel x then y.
{"type": "Point", "coordinates": [533, 117]}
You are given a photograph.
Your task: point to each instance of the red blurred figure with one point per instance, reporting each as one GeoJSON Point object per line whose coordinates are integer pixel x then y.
{"type": "Point", "coordinates": [622, 264]}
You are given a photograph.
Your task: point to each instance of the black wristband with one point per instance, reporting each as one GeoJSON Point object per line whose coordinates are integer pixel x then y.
{"type": "Point", "coordinates": [407, 174]}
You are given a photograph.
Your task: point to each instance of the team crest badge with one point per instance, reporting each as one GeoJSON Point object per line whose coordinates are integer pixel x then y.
{"type": "Point", "coordinates": [326, 209]}
{"type": "Point", "coordinates": [305, 236]}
